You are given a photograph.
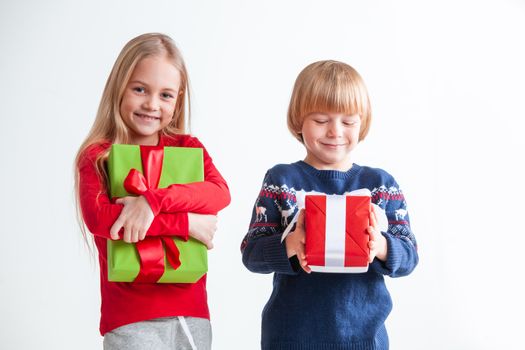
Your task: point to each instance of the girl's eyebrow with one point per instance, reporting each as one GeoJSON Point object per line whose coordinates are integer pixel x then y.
{"type": "Point", "coordinates": [143, 83]}
{"type": "Point", "coordinates": [137, 82]}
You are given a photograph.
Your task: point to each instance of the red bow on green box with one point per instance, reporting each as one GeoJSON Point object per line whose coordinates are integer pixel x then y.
{"type": "Point", "coordinates": [161, 258]}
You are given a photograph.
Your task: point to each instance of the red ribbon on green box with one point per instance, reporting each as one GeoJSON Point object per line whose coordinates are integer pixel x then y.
{"type": "Point", "coordinates": [162, 259]}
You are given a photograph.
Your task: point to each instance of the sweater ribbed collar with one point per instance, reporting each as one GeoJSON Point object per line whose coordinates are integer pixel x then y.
{"type": "Point", "coordinates": [328, 174]}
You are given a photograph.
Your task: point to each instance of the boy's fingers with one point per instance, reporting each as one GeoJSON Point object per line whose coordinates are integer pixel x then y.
{"type": "Point", "coordinates": [372, 233]}
{"type": "Point", "coordinates": [305, 267]}
{"type": "Point", "coordinates": [374, 219]}
{"type": "Point", "coordinates": [300, 220]}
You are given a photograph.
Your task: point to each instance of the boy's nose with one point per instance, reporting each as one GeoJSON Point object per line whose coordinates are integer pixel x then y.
{"type": "Point", "coordinates": [335, 129]}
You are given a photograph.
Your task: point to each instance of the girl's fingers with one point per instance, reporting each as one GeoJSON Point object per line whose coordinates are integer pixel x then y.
{"type": "Point", "coordinates": [115, 229]}
{"type": "Point", "coordinates": [122, 200]}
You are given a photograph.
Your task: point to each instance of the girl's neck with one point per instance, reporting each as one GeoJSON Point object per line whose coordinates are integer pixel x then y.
{"type": "Point", "coordinates": [150, 140]}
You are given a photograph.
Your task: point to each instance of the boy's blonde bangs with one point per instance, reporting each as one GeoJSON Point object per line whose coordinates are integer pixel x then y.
{"type": "Point", "coordinates": [328, 86]}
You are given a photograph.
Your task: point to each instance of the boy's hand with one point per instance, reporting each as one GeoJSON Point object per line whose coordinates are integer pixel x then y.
{"type": "Point", "coordinates": [202, 227]}
{"type": "Point", "coordinates": [295, 243]}
{"type": "Point", "coordinates": [136, 218]}
{"type": "Point", "coordinates": [377, 244]}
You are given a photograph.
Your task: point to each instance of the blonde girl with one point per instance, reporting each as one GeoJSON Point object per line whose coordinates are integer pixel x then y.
{"type": "Point", "coordinates": [144, 103]}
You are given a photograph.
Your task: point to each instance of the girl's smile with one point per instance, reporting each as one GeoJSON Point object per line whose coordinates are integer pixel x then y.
{"type": "Point", "coordinates": [147, 118]}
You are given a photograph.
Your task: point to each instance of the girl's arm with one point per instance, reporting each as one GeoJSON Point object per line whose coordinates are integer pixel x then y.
{"type": "Point", "coordinates": [262, 250]}
{"type": "Point", "coordinates": [100, 214]}
{"type": "Point", "coordinates": [402, 256]}
{"type": "Point", "coordinates": [206, 197]}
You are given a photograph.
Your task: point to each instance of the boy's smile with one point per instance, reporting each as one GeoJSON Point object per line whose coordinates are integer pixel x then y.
{"type": "Point", "coordinates": [329, 138]}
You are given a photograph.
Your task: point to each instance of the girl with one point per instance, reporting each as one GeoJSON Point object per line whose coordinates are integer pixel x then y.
{"type": "Point", "coordinates": [329, 114]}
{"type": "Point", "coordinates": [144, 103]}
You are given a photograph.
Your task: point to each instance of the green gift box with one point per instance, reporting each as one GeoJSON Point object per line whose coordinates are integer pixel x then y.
{"type": "Point", "coordinates": [179, 165]}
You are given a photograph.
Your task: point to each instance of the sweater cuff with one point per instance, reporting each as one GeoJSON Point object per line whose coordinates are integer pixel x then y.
{"type": "Point", "coordinates": [394, 254]}
{"type": "Point", "coordinates": [152, 201]}
{"type": "Point", "coordinates": [393, 258]}
{"type": "Point", "coordinates": [185, 226]}
{"type": "Point", "coordinates": [274, 253]}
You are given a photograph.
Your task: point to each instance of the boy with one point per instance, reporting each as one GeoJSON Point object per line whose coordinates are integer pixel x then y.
{"type": "Point", "coordinates": [329, 114]}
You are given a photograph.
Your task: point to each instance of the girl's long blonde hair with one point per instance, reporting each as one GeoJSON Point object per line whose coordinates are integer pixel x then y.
{"type": "Point", "coordinates": [108, 125]}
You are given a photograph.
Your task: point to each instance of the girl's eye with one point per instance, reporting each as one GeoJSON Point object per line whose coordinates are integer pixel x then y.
{"type": "Point", "coordinates": [167, 95]}
{"type": "Point", "coordinates": [350, 123]}
{"type": "Point", "coordinates": [320, 121]}
{"type": "Point", "coordinates": [139, 89]}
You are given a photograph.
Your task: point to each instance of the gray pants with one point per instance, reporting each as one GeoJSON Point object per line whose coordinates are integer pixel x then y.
{"type": "Point", "coordinates": [170, 333]}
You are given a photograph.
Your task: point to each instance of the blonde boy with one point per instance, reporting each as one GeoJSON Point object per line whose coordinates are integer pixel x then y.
{"type": "Point", "coordinates": [329, 114]}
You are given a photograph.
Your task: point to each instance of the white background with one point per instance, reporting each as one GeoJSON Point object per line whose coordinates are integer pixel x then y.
{"type": "Point", "coordinates": [446, 81]}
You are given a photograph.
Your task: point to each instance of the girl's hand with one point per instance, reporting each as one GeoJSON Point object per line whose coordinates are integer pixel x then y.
{"type": "Point", "coordinates": [377, 244]}
{"type": "Point", "coordinates": [202, 227]}
{"type": "Point", "coordinates": [136, 218]}
{"type": "Point", "coordinates": [295, 243]}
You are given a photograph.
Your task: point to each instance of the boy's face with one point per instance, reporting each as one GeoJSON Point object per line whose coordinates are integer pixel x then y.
{"type": "Point", "coordinates": [329, 138]}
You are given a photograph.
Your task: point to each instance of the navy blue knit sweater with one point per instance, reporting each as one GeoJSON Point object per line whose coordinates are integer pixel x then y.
{"type": "Point", "coordinates": [325, 310]}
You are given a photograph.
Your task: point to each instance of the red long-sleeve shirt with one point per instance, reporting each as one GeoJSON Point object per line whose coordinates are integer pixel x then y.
{"type": "Point", "coordinates": [123, 302]}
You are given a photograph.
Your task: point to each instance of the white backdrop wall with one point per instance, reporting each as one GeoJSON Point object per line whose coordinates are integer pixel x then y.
{"type": "Point", "coordinates": [446, 81]}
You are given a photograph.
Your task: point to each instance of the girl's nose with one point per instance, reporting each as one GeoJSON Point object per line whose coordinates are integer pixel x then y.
{"type": "Point", "coordinates": [152, 103]}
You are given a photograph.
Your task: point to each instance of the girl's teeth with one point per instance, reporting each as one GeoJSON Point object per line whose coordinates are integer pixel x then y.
{"type": "Point", "coordinates": [147, 117]}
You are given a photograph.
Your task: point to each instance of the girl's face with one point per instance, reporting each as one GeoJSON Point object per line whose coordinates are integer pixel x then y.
{"type": "Point", "coordinates": [329, 138]}
{"type": "Point", "coordinates": [149, 99]}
